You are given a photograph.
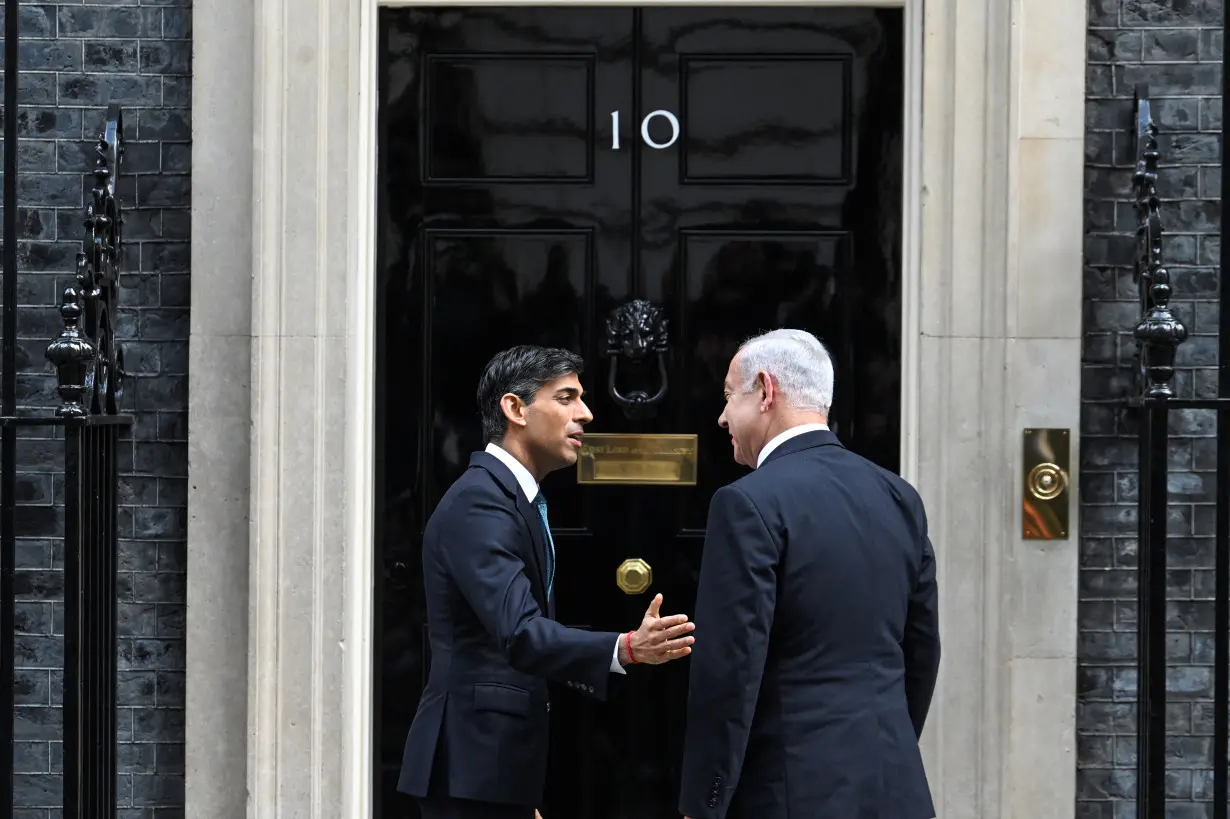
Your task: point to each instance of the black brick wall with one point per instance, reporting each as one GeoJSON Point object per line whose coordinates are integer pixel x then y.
{"type": "Point", "coordinates": [75, 60]}
{"type": "Point", "coordinates": [1175, 47]}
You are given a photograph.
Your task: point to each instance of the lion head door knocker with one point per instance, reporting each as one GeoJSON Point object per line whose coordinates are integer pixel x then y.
{"type": "Point", "coordinates": [635, 331]}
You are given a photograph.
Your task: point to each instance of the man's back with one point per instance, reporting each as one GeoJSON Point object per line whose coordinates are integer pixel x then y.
{"type": "Point", "coordinates": [848, 647]}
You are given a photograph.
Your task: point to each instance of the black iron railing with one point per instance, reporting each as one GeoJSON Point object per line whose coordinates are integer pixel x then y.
{"type": "Point", "coordinates": [89, 371]}
{"type": "Point", "coordinates": [8, 400]}
{"type": "Point", "coordinates": [1159, 334]}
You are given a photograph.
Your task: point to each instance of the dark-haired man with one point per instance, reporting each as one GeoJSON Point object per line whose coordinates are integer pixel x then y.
{"type": "Point", "coordinates": [478, 745]}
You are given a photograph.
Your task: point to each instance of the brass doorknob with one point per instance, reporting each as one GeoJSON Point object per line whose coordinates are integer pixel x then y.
{"type": "Point", "coordinates": [633, 576]}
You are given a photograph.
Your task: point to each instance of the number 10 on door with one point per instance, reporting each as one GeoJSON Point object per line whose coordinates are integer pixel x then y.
{"type": "Point", "coordinates": [670, 118]}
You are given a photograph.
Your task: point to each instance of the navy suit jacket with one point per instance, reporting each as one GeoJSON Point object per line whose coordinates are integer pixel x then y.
{"type": "Point", "coordinates": [819, 643]}
{"type": "Point", "coordinates": [483, 717]}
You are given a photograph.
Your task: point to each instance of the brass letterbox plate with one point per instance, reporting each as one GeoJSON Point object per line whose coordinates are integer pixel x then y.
{"type": "Point", "coordinates": [1044, 477]}
{"type": "Point", "coordinates": [636, 459]}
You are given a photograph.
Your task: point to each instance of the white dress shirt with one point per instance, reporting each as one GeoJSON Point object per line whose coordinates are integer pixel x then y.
{"type": "Point", "coordinates": [530, 487]}
{"type": "Point", "coordinates": [782, 437]}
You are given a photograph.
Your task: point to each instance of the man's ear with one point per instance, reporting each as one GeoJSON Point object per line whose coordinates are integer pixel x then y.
{"type": "Point", "coordinates": [513, 408]}
{"type": "Point", "coordinates": [768, 391]}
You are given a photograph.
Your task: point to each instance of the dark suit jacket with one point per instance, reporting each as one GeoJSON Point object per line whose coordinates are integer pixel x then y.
{"type": "Point", "coordinates": [483, 717]}
{"type": "Point", "coordinates": [818, 643]}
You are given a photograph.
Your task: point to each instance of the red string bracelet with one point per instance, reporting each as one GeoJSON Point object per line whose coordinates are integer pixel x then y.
{"type": "Point", "coordinates": [628, 645]}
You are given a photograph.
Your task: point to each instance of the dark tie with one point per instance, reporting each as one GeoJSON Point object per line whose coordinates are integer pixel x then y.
{"type": "Point", "coordinates": [540, 501]}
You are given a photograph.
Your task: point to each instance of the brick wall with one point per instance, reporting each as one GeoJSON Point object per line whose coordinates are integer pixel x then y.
{"type": "Point", "coordinates": [75, 59]}
{"type": "Point", "coordinates": [1175, 47]}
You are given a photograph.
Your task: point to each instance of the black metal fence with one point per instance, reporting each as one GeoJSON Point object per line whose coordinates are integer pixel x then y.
{"type": "Point", "coordinates": [1159, 334]}
{"type": "Point", "coordinates": [89, 370]}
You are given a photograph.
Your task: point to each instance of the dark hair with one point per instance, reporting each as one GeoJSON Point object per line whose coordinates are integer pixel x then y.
{"type": "Point", "coordinates": [522, 371]}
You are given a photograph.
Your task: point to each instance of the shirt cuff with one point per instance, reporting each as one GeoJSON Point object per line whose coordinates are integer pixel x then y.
{"type": "Point", "coordinates": [616, 667]}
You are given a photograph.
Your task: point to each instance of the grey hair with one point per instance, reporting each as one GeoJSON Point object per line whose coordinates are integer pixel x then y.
{"type": "Point", "coordinates": [797, 361]}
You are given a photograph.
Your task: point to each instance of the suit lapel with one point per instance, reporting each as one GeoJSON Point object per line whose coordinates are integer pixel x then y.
{"type": "Point", "coordinates": [538, 552]}
{"type": "Point", "coordinates": [536, 535]}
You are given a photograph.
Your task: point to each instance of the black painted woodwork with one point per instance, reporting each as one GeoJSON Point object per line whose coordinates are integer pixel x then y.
{"type": "Point", "coordinates": [506, 217]}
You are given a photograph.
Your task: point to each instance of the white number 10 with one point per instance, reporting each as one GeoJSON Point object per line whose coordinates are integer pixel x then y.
{"type": "Point", "coordinates": [671, 118]}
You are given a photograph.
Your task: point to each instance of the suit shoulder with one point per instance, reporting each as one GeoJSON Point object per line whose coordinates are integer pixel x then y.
{"type": "Point", "coordinates": [748, 484]}
{"type": "Point", "coordinates": [758, 488]}
{"type": "Point", "coordinates": [474, 486]}
{"type": "Point", "coordinates": [897, 484]}
{"type": "Point", "coordinates": [835, 460]}
{"type": "Point", "coordinates": [904, 494]}
{"type": "Point", "coordinates": [901, 485]}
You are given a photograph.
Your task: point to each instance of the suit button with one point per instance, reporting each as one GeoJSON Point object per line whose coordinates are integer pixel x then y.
{"type": "Point", "coordinates": [713, 801]}
{"type": "Point", "coordinates": [589, 688]}
{"type": "Point", "coordinates": [548, 708]}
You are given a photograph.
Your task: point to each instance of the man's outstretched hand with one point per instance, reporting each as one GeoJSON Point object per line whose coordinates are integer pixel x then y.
{"type": "Point", "coordinates": [659, 639]}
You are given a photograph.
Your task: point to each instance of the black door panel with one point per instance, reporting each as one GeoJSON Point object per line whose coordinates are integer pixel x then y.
{"type": "Point", "coordinates": [507, 216]}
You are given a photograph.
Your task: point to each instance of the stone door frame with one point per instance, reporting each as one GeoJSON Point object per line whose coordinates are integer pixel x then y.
{"type": "Point", "coordinates": [281, 397]}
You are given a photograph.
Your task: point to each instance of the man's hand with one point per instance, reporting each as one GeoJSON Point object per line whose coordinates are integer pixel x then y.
{"type": "Point", "coordinates": [537, 815]}
{"type": "Point", "coordinates": [659, 639]}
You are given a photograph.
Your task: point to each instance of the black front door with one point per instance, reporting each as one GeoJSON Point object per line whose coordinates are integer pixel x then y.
{"type": "Point", "coordinates": [738, 168]}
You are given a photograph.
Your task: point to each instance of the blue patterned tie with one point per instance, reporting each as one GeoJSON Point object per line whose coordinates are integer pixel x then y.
{"type": "Point", "coordinates": [540, 501]}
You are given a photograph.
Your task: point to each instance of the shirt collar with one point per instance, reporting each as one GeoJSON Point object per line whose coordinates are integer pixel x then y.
{"type": "Point", "coordinates": [524, 479]}
{"type": "Point", "coordinates": [782, 437]}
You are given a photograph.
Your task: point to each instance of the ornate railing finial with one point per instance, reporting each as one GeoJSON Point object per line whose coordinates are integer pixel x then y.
{"type": "Point", "coordinates": [71, 355]}
{"type": "Point", "coordinates": [92, 349]}
{"type": "Point", "coordinates": [1159, 332]}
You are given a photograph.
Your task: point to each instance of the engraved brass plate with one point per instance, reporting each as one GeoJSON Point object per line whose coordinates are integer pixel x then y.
{"type": "Point", "coordinates": [1045, 506]}
{"type": "Point", "coordinates": [637, 459]}
{"type": "Point", "coordinates": [633, 576]}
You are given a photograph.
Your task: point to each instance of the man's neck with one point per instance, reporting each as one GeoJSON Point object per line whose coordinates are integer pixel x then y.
{"type": "Point", "coordinates": [793, 419]}
{"type": "Point", "coordinates": [519, 451]}
{"type": "Point", "coordinates": [781, 432]}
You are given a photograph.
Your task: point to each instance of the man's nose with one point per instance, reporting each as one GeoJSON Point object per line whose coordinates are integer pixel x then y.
{"type": "Point", "coordinates": [585, 415]}
{"type": "Point", "coordinates": [722, 420]}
